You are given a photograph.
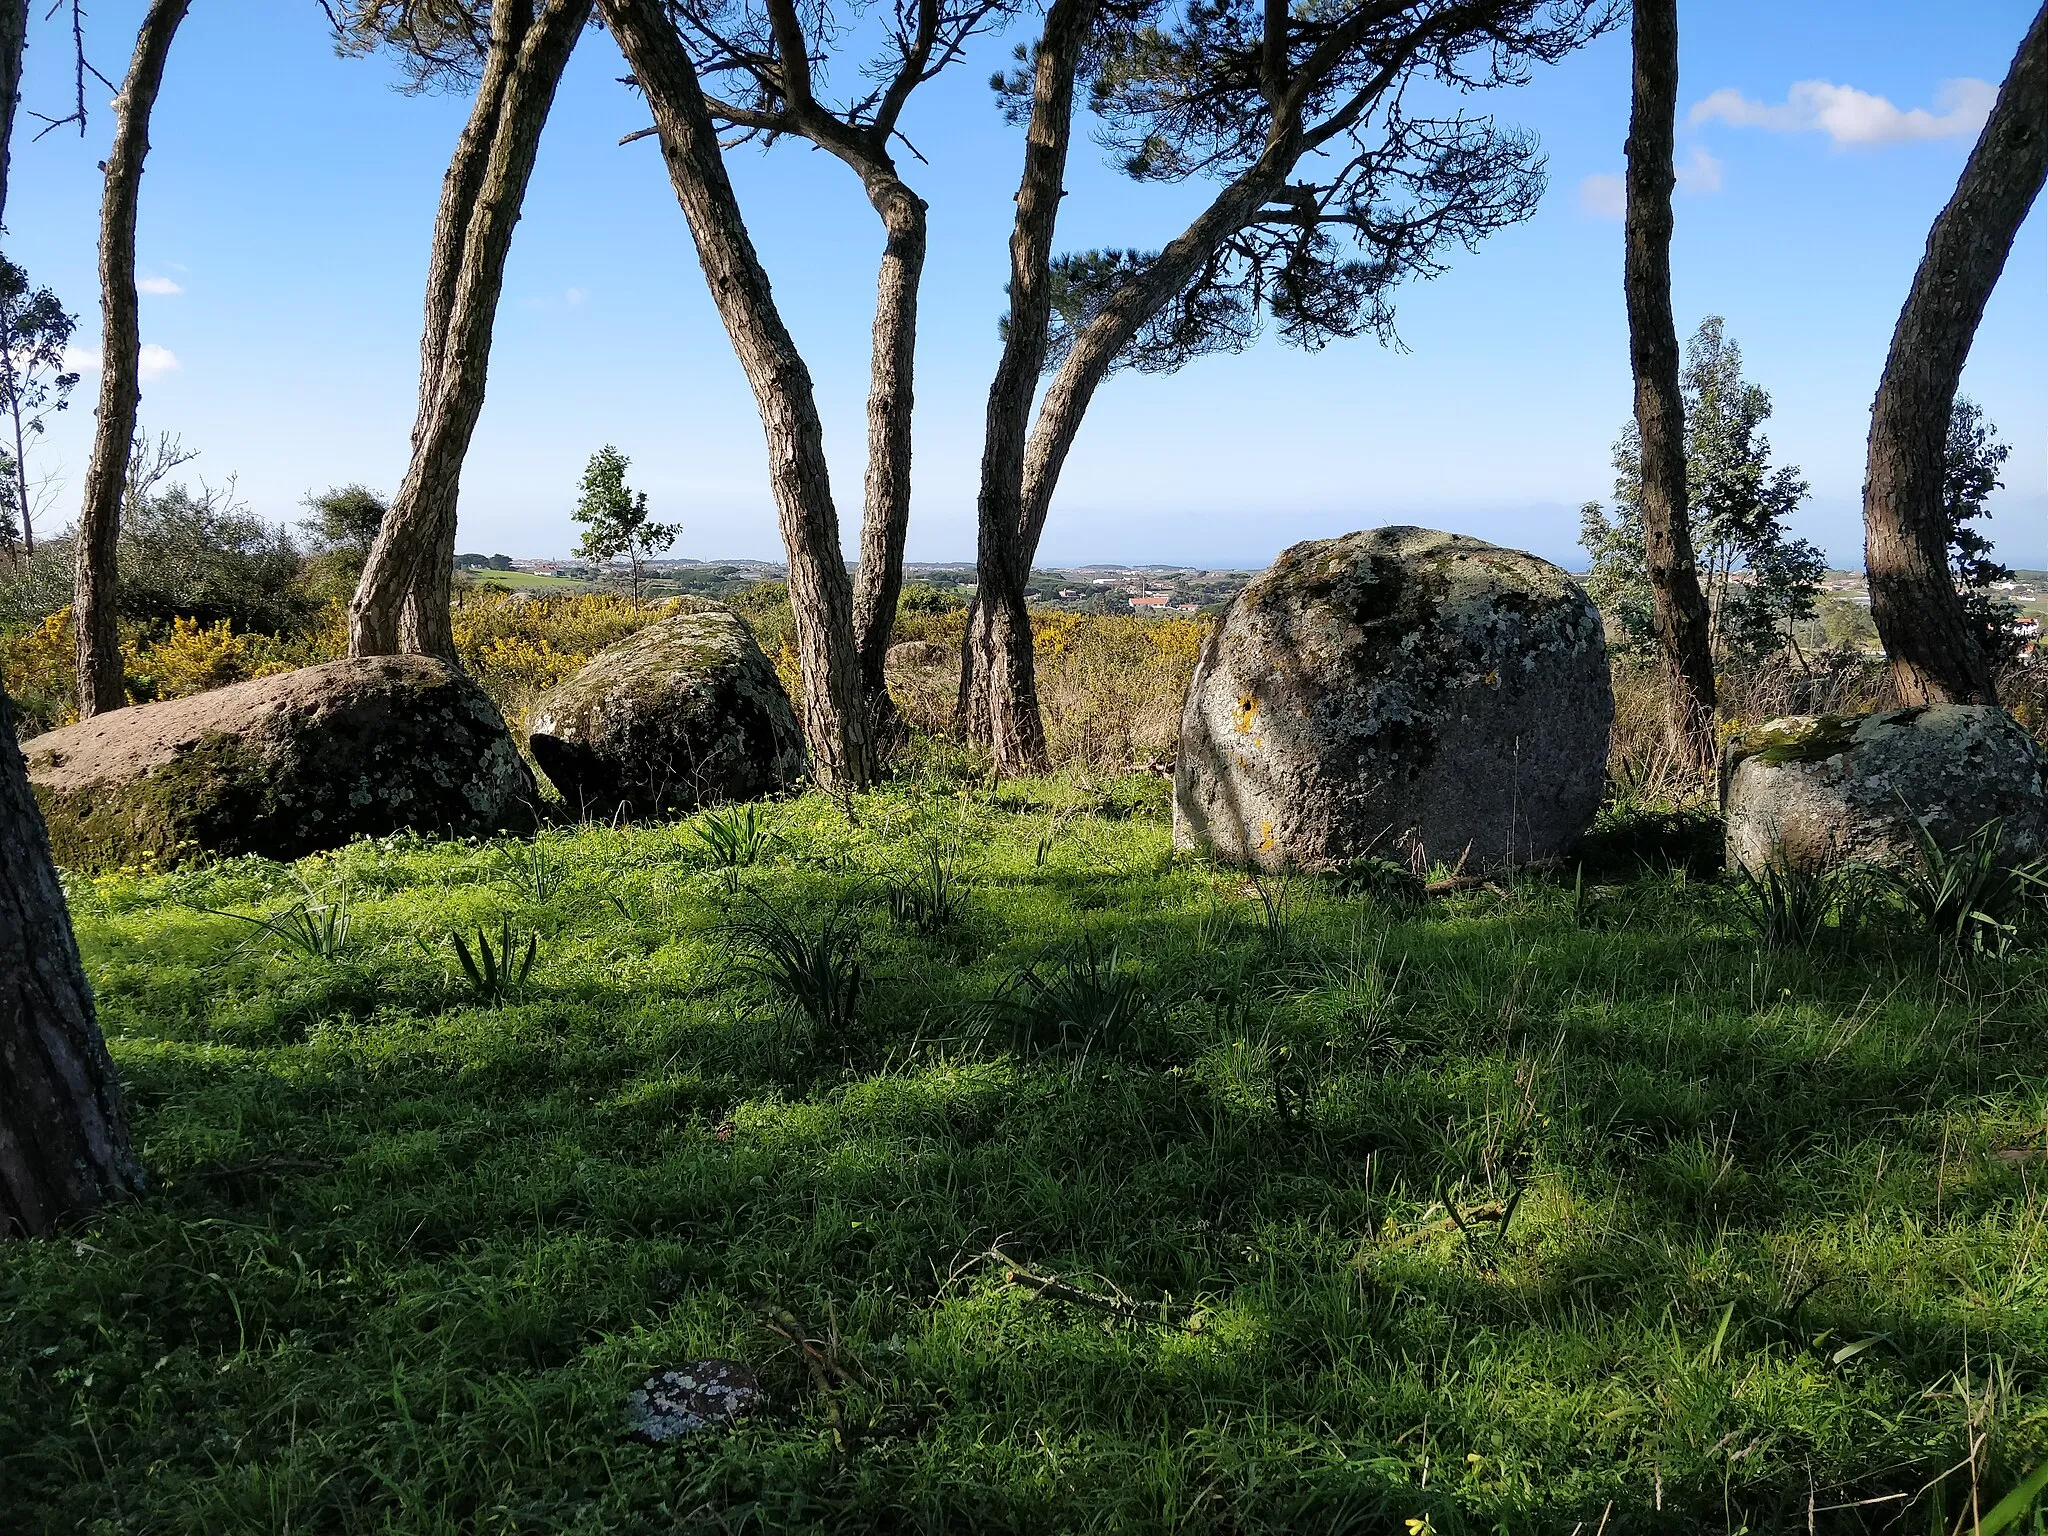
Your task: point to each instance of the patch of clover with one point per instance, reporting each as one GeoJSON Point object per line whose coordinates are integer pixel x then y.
{"type": "Point", "coordinates": [704, 1394]}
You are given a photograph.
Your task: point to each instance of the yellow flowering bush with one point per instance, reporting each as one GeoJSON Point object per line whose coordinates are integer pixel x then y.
{"type": "Point", "coordinates": [39, 668]}
{"type": "Point", "coordinates": [192, 658]}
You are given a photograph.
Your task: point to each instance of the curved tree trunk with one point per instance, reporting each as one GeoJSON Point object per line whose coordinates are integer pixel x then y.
{"type": "Point", "coordinates": [1681, 619]}
{"type": "Point", "coordinates": [998, 686]}
{"type": "Point", "coordinates": [885, 519]}
{"type": "Point", "coordinates": [402, 600]}
{"type": "Point", "coordinates": [1935, 658]}
{"type": "Point", "coordinates": [101, 684]}
{"type": "Point", "coordinates": [63, 1139]}
{"type": "Point", "coordinates": [835, 710]}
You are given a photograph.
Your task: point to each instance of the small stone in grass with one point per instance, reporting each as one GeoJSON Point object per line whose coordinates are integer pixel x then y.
{"type": "Point", "coordinates": [704, 1394]}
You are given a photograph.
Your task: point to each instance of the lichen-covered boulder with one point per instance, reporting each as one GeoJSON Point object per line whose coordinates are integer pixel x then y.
{"type": "Point", "coordinates": [1397, 693]}
{"type": "Point", "coordinates": [282, 766]}
{"type": "Point", "coordinates": [1812, 791]}
{"type": "Point", "coordinates": [919, 655]}
{"type": "Point", "coordinates": [684, 713]}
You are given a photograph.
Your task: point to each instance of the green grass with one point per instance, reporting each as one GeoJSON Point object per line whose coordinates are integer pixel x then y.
{"type": "Point", "coordinates": [1773, 1241]}
{"type": "Point", "coordinates": [530, 581]}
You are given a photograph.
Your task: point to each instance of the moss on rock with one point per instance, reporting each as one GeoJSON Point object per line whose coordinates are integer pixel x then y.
{"type": "Point", "coordinates": [686, 712]}
{"type": "Point", "coordinates": [1397, 689]}
{"type": "Point", "coordinates": [281, 766]}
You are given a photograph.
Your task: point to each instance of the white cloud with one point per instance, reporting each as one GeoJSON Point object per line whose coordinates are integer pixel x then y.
{"type": "Point", "coordinates": [158, 285]}
{"type": "Point", "coordinates": [1701, 173]}
{"type": "Point", "coordinates": [1603, 195]}
{"type": "Point", "coordinates": [1852, 117]}
{"type": "Point", "coordinates": [575, 296]}
{"type": "Point", "coordinates": [155, 361]}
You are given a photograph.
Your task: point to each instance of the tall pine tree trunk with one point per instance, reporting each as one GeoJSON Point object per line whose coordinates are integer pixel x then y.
{"type": "Point", "coordinates": [13, 40]}
{"type": "Point", "coordinates": [1935, 657]}
{"type": "Point", "coordinates": [101, 683]}
{"type": "Point", "coordinates": [885, 519]}
{"type": "Point", "coordinates": [998, 705]}
{"type": "Point", "coordinates": [63, 1139]}
{"type": "Point", "coordinates": [1680, 616]}
{"type": "Point", "coordinates": [835, 711]}
{"type": "Point", "coordinates": [402, 601]}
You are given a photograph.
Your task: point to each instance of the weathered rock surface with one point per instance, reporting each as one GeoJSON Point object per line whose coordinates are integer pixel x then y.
{"type": "Point", "coordinates": [1399, 693]}
{"type": "Point", "coordinates": [1813, 791]}
{"type": "Point", "coordinates": [282, 766]}
{"type": "Point", "coordinates": [687, 712]}
{"type": "Point", "coordinates": [920, 654]}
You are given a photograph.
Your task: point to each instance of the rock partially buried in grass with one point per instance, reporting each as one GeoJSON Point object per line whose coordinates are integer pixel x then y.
{"type": "Point", "coordinates": [919, 655]}
{"type": "Point", "coordinates": [687, 712]}
{"type": "Point", "coordinates": [282, 766]}
{"type": "Point", "coordinates": [1813, 791]}
{"type": "Point", "coordinates": [705, 1394]}
{"type": "Point", "coordinates": [1398, 693]}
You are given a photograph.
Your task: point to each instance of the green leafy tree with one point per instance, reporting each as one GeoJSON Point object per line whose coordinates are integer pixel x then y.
{"type": "Point", "coordinates": [34, 386]}
{"type": "Point", "coordinates": [1969, 474]}
{"type": "Point", "coordinates": [1759, 581]}
{"type": "Point", "coordinates": [615, 516]}
{"type": "Point", "coordinates": [340, 529]}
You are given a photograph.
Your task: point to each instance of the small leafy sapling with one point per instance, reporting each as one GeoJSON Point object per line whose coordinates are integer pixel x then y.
{"type": "Point", "coordinates": [1971, 461]}
{"type": "Point", "coordinates": [35, 384]}
{"type": "Point", "coordinates": [615, 516]}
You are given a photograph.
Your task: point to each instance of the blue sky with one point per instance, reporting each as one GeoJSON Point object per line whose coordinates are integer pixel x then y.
{"type": "Point", "coordinates": [290, 195]}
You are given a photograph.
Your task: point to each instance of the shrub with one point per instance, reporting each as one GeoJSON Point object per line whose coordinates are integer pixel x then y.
{"type": "Point", "coordinates": [206, 557]}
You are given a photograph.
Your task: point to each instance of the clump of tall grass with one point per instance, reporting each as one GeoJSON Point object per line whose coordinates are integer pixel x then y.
{"type": "Point", "coordinates": [733, 838]}
{"type": "Point", "coordinates": [930, 898]}
{"type": "Point", "coordinates": [1972, 896]}
{"type": "Point", "coordinates": [1089, 1000]}
{"type": "Point", "coordinates": [314, 927]}
{"type": "Point", "coordinates": [496, 968]}
{"type": "Point", "coordinates": [814, 964]}
{"type": "Point", "coordinates": [1789, 906]}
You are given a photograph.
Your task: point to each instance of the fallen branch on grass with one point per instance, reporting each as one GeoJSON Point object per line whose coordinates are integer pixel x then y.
{"type": "Point", "coordinates": [1163, 1314]}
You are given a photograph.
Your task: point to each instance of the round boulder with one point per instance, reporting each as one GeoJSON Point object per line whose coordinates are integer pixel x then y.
{"type": "Point", "coordinates": [919, 655]}
{"type": "Point", "coordinates": [1811, 791]}
{"type": "Point", "coordinates": [282, 766]}
{"type": "Point", "coordinates": [1397, 693]}
{"type": "Point", "coordinates": [684, 713]}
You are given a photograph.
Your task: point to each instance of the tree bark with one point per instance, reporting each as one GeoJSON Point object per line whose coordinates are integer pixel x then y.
{"type": "Point", "coordinates": [1935, 658]}
{"type": "Point", "coordinates": [998, 705]}
{"type": "Point", "coordinates": [885, 518]}
{"type": "Point", "coordinates": [63, 1139]}
{"type": "Point", "coordinates": [402, 601]}
{"type": "Point", "coordinates": [101, 684]}
{"type": "Point", "coordinates": [821, 597]}
{"type": "Point", "coordinates": [13, 41]}
{"type": "Point", "coordinates": [1680, 616]}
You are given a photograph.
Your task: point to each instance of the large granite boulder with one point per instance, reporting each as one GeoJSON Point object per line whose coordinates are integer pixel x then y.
{"type": "Point", "coordinates": [282, 766]}
{"type": "Point", "coordinates": [1813, 791]}
{"type": "Point", "coordinates": [1397, 693]}
{"type": "Point", "coordinates": [685, 713]}
{"type": "Point", "coordinates": [920, 655]}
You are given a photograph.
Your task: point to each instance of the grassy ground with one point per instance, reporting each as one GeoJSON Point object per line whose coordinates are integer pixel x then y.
{"type": "Point", "coordinates": [1530, 1209]}
{"type": "Point", "coordinates": [529, 581]}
